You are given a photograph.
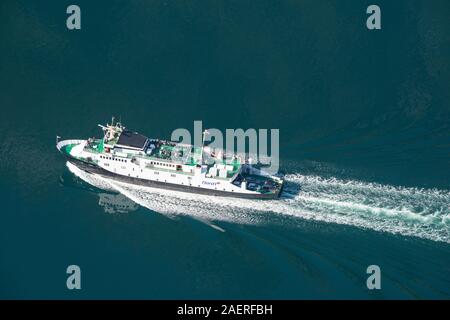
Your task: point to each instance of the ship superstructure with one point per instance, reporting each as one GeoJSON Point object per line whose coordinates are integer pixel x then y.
{"type": "Point", "coordinates": [133, 158]}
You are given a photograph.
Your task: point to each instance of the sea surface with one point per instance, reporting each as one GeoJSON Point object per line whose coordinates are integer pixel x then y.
{"type": "Point", "coordinates": [364, 120]}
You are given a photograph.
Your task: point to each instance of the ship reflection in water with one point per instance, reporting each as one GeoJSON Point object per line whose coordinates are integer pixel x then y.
{"type": "Point", "coordinates": [111, 202]}
{"type": "Point", "coordinates": [116, 203]}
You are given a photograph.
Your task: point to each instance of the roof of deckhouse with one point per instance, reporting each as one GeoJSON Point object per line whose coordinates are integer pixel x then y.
{"type": "Point", "coordinates": [132, 140]}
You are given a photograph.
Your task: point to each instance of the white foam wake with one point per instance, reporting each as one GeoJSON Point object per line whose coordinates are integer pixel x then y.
{"type": "Point", "coordinates": [422, 213]}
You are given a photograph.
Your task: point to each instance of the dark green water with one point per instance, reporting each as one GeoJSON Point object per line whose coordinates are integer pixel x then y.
{"type": "Point", "coordinates": [364, 119]}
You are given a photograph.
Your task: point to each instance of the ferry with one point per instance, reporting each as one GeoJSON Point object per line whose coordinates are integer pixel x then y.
{"type": "Point", "coordinates": [130, 157]}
